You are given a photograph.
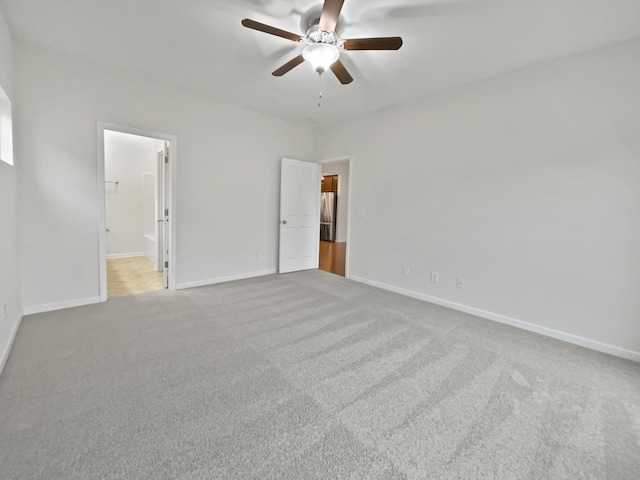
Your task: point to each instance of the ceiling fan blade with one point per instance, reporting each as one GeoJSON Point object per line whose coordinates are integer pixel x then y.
{"type": "Point", "coordinates": [330, 14]}
{"type": "Point", "coordinates": [290, 65]}
{"type": "Point", "coordinates": [341, 72]}
{"type": "Point", "coordinates": [383, 43]}
{"type": "Point", "coordinates": [261, 27]}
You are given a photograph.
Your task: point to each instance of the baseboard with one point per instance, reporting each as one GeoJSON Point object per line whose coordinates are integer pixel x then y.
{"type": "Point", "coordinates": [230, 278]}
{"type": "Point", "coordinates": [60, 305]}
{"type": "Point", "coordinates": [12, 337]}
{"type": "Point", "coordinates": [532, 327]}
{"type": "Point", "coordinates": [126, 255]}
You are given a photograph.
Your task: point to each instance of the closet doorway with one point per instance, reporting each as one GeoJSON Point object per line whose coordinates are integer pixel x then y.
{"type": "Point", "coordinates": [334, 216]}
{"type": "Point", "coordinates": [136, 234]}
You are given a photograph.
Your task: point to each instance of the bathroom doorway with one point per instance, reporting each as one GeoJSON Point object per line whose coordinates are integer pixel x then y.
{"type": "Point", "coordinates": [136, 235]}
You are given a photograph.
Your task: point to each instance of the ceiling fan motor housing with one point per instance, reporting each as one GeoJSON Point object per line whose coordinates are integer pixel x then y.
{"type": "Point", "coordinates": [315, 35]}
{"type": "Point", "coordinates": [309, 23]}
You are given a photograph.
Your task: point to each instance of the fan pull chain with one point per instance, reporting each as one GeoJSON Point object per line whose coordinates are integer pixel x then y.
{"type": "Point", "coordinates": [320, 88]}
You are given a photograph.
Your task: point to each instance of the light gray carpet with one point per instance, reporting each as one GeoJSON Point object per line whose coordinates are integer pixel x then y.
{"type": "Point", "coordinates": [307, 376]}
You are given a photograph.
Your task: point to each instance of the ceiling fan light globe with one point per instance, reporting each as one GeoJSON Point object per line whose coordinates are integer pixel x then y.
{"type": "Point", "coordinates": [321, 56]}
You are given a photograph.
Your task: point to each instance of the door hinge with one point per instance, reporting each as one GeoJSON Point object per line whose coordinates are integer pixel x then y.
{"type": "Point", "coordinates": [166, 212]}
{"type": "Point", "coordinates": [166, 264]}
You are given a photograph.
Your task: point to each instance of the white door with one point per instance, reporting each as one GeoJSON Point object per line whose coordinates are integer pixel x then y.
{"type": "Point", "coordinates": [299, 215]}
{"type": "Point", "coordinates": [165, 202]}
{"type": "Point", "coordinates": [159, 212]}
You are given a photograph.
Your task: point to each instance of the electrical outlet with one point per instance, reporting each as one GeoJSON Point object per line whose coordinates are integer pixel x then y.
{"type": "Point", "coordinates": [405, 270]}
{"type": "Point", "coordinates": [258, 256]}
{"type": "Point", "coordinates": [460, 282]}
{"type": "Point", "coordinates": [435, 276]}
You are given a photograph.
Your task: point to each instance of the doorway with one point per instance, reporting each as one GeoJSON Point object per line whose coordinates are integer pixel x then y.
{"type": "Point", "coordinates": [136, 169]}
{"type": "Point", "coordinates": [334, 215]}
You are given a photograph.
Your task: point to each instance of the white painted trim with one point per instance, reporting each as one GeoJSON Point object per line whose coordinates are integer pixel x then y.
{"type": "Point", "coordinates": [126, 255]}
{"type": "Point", "coordinates": [80, 302]}
{"type": "Point", "coordinates": [102, 217]}
{"type": "Point", "coordinates": [496, 317]}
{"type": "Point", "coordinates": [12, 337]}
{"type": "Point", "coordinates": [230, 278]}
{"type": "Point", "coordinates": [347, 158]}
{"type": "Point", "coordinates": [173, 207]}
{"type": "Point", "coordinates": [318, 215]}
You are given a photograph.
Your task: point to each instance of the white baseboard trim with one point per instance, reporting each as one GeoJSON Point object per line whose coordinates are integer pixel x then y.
{"type": "Point", "coordinates": [60, 305]}
{"type": "Point", "coordinates": [12, 337]}
{"type": "Point", "coordinates": [126, 255]}
{"type": "Point", "coordinates": [230, 278]}
{"type": "Point", "coordinates": [532, 327]}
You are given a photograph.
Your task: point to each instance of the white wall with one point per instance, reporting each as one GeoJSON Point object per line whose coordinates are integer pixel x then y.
{"type": "Point", "coordinates": [528, 185]}
{"type": "Point", "coordinates": [6, 55]}
{"type": "Point", "coordinates": [228, 176]}
{"type": "Point", "coordinates": [340, 168]}
{"type": "Point", "coordinates": [9, 269]}
{"type": "Point", "coordinates": [129, 213]}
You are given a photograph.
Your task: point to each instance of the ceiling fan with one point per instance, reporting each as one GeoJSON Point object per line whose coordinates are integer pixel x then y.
{"type": "Point", "coordinates": [323, 42]}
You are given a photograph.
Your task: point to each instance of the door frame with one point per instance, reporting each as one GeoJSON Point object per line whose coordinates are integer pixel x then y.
{"type": "Point", "coordinates": [102, 236]}
{"type": "Point", "coordinates": [349, 159]}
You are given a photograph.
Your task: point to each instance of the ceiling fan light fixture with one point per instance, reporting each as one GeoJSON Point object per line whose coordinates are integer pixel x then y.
{"type": "Point", "coordinates": [323, 39]}
{"type": "Point", "coordinates": [321, 56]}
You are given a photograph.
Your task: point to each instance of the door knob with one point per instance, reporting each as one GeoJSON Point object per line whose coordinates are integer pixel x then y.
{"type": "Point", "coordinates": [284, 222]}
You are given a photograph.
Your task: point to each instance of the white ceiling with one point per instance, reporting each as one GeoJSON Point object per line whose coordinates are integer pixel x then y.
{"type": "Point", "coordinates": [200, 45]}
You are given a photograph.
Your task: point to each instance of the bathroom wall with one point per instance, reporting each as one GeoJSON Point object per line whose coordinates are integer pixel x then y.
{"type": "Point", "coordinates": [130, 160]}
